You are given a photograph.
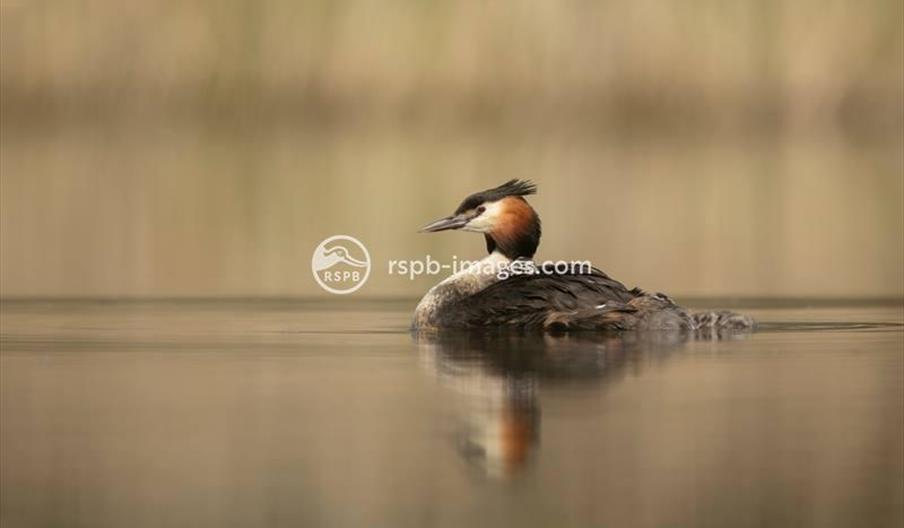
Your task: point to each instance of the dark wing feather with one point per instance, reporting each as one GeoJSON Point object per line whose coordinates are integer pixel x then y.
{"type": "Point", "coordinates": [544, 300]}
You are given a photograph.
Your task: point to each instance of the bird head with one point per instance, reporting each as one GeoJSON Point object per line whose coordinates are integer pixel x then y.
{"type": "Point", "coordinates": [509, 224]}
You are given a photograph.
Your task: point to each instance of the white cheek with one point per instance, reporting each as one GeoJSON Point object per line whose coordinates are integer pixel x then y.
{"type": "Point", "coordinates": [486, 220]}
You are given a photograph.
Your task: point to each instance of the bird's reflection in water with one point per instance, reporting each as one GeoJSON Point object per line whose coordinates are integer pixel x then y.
{"type": "Point", "coordinates": [498, 375]}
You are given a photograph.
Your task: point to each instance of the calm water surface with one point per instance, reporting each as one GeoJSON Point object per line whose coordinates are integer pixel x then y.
{"type": "Point", "coordinates": [285, 413]}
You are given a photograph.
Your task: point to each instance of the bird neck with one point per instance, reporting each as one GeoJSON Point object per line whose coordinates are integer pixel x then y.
{"type": "Point", "coordinates": [517, 234]}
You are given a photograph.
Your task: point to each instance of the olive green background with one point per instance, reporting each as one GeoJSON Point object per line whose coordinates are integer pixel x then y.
{"type": "Point", "coordinates": [204, 148]}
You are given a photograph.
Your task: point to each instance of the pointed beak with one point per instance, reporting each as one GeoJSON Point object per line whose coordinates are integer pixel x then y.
{"type": "Point", "coordinates": [444, 224]}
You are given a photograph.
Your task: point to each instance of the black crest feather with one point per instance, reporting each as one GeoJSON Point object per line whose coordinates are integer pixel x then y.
{"type": "Point", "coordinates": [509, 188]}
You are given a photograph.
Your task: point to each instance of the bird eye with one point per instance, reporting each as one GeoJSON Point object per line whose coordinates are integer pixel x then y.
{"type": "Point", "coordinates": [481, 209]}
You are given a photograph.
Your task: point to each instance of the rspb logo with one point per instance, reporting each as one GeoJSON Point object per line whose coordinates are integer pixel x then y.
{"type": "Point", "coordinates": [341, 264]}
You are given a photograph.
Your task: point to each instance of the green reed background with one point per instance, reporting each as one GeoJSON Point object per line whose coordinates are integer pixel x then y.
{"type": "Point", "coordinates": [205, 148]}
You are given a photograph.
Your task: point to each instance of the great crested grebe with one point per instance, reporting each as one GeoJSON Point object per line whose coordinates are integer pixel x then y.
{"type": "Point", "coordinates": [535, 297]}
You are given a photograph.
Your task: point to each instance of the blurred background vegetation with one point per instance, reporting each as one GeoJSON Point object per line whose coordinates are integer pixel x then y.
{"type": "Point", "coordinates": [204, 148]}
